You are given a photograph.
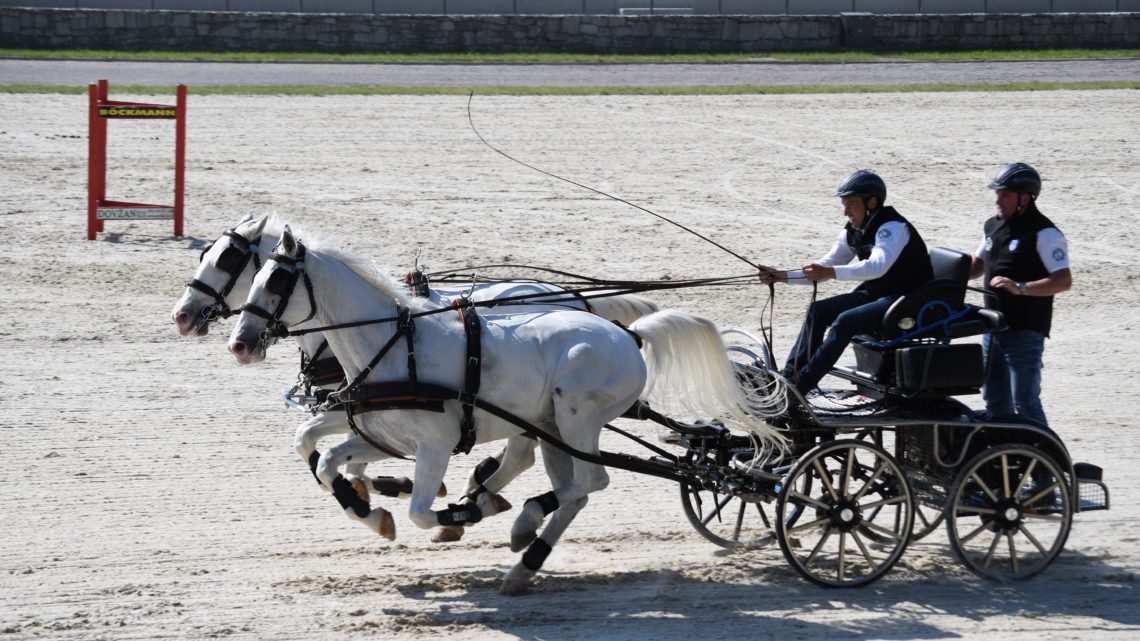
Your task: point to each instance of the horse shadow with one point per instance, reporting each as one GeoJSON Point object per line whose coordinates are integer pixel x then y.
{"type": "Point", "coordinates": [906, 604]}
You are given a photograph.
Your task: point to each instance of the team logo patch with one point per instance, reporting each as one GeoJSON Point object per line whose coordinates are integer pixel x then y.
{"type": "Point", "coordinates": [1058, 254]}
{"type": "Point", "coordinates": [1013, 244]}
{"type": "Point", "coordinates": [884, 234]}
{"type": "Point", "coordinates": [989, 243]}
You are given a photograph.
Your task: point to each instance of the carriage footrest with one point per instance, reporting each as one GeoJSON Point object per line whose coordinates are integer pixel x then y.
{"type": "Point", "coordinates": [1093, 494]}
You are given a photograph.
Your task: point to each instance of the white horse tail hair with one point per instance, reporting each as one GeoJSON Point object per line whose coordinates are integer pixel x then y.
{"type": "Point", "coordinates": [623, 308]}
{"type": "Point", "coordinates": [689, 372]}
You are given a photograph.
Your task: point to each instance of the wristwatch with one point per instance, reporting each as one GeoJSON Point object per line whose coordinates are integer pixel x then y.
{"type": "Point", "coordinates": [1021, 287]}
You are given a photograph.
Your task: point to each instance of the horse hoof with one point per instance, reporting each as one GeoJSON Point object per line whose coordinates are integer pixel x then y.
{"type": "Point", "coordinates": [501, 504]}
{"type": "Point", "coordinates": [387, 527]}
{"type": "Point", "coordinates": [520, 541]}
{"type": "Point", "coordinates": [447, 534]}
{"type": "Point", "coordinates": [442, 491]}
{"type": "Point", "coordinates": [517, 581]}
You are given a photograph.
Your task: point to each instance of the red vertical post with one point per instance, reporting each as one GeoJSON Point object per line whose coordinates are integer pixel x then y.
{"type": "Point", "coordinates": [179, 159]}
{"type": "Point", "coordinates": [96, 157]}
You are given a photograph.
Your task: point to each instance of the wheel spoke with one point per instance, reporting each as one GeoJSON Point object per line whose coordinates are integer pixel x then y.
{"type": "Point", "coordinates": [985, 488]}
{"type": "Point", "coordinates": [870, 482]}
{"type": "Point", "coordinates": [890, 501]}
{"type": "Point", "coordinates": [818, 546]}
{"type": "Point", "coordinates": [847, 472]}
{"type": "Point", "coordinates": [1042, 494]}
{"type": "Point", "coordinates": [739, 521]}
{"type": "Point", "coordinates": [1025, 477]}
{"type": "Point", "coordinates": [882, 530]}
{"type": "Point", "coordinates": [719, 506]}
{"type": "Point", "coordinates": [763, 516]}
{"type": "Point", "coordinates": [1005, 476]}
{"type": "Point", "coordinates": [824, 478]}
{"type": "Point", "coordinates": [1012, 554]}
{"type": "Point", "coordinates": [807, 499]}
{"type": "Point", "coordinates": [808, 526]}
{"type": "Point", "coordinates": [1032, 539]}
{"type": "Point", "coordinates": [842, 555]}
{"type": "Point", "coordinates": [863, 548]}
{"type": "Point", "coordinates": [966, 539]}
{"type": "Point", "coordinates": [970, 509]}
{"type": "Point", "coordinates": [993, 548]}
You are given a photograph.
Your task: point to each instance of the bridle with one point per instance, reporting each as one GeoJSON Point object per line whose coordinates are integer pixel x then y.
{"type": "Point", "coordinates": [282, 281]}
{"type": "Point", "coordinates": [232, 262]}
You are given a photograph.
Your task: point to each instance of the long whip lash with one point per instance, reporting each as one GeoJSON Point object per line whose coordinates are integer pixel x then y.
{"type": "Point", "coordinates": [471, 122]}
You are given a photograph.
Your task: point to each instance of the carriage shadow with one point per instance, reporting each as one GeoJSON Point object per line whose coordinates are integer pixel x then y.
{"type": "Point", "coordinates": [904, 605]}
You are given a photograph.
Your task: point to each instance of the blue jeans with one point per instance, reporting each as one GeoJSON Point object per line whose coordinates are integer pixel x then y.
{"type": "Point", "coordinates": [1013, 381]}
{"type": "Point", "coordinates": [848, 315]}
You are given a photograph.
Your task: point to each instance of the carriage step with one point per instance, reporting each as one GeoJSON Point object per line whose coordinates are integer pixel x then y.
{"type": "Point", "coordinates": [1093, 494]}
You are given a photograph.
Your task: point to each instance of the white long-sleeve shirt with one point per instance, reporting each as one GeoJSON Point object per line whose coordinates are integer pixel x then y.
{"type": "Point", "coordinates": [889, 243]}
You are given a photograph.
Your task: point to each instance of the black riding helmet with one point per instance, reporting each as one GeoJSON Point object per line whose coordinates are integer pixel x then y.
{"type": "Point", "coordinates": [1019, 178]}
{"type": "Point", "coordinates": [864, 184]}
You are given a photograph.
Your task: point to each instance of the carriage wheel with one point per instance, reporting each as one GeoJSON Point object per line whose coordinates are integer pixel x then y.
{"type": "Point", "coordinates": [1010, 512]}
{"type": "Point", "coordinates": [855, 525]}
{"type": "Point", "coordinates": [731, 520]}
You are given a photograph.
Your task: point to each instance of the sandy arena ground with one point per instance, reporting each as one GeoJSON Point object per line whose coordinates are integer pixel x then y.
{"type": "Point", "coordinates": [151, 490]}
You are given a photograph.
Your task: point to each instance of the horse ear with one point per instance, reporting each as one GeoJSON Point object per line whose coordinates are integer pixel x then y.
{"type": "Point", "coordinates": [288, 243]}
{"type": "Point", "coordinates": [261, 222]}
{"type": "Point", "coordinates": [247, 217]}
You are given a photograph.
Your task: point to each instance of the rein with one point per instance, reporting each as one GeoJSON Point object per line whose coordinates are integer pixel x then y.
{"type": "Point", "coordinates": [504, 154]}
{"type": "Point", "coordinates": [613, 288]}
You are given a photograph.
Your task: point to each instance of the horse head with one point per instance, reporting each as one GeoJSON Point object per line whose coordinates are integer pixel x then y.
{"type": "Point", "coordinates": [222, 279]}
{"type": "Point", "coordinates": [267, 314]}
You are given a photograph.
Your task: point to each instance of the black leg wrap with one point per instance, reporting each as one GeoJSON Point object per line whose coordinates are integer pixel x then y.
{"type": "Point", "coordinates": [474, 494]}
{"type": "Point", "coordinates": [485, 469]}
{"type": "Point", "coordinates": [348, 498]}
{"type": "Point", "coordinates": [392, 485]}
{"type": "Point", "coordinates": [535, 555]}
{"type": "Point", "coordinates": [548, 502]}
{"type": "Point", "coordinates": [455, 514]}
{"type": "Point", "coordinates": [314, 457]}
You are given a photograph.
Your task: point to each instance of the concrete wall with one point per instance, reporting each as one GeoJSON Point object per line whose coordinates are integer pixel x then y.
{"type": "Point", "coordinates": [343, 33]}
{"type": "Point", "coordinates": [556, 7]}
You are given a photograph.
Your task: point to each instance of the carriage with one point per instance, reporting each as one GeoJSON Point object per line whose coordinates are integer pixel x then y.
{"type": "Point", "coordinates": [865, 470]}
{"type": "Point", "coordinates": [888, 462]}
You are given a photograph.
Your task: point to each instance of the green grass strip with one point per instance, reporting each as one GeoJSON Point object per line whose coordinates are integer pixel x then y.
{"type": "Point", "coordinates": [565, 58]}
{"type": "Point", "coordinates": [388, 90]}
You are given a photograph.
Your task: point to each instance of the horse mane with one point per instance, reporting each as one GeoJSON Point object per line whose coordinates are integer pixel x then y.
{"type": "Point", "coordinates": [366, 268]}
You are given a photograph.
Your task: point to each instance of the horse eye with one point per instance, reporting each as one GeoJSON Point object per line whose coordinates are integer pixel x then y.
{"type": "Point", "coordinates": [231, 260]}
{"type": "Point", "coordinates": [278, 282]}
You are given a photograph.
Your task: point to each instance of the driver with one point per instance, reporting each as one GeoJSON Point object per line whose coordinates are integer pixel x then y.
{"type": "Point", "coordinates": [877, 248]}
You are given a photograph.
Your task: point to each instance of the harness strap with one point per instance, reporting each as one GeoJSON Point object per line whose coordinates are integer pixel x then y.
{"type": "Point", "coordinates": [632, 334]}
{"type": "Point", "coordinates": [473, 328]}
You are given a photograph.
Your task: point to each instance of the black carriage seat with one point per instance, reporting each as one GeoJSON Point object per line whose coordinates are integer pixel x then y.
{"type": "Point", "coordinates": [937, 309]}
{"type": "Point", "coordinates": [912, 352]}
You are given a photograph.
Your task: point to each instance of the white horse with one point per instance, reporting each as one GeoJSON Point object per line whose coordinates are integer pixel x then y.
{"type": "Point", "coordinates": [222, 282]}
{"type": "Point", "coordinates": [566, 373]}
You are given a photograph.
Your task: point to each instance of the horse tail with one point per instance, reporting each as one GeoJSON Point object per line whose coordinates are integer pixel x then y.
{"type": "Point", "coordinates": [623, 308]}
{"type": "Point", "coordinates": [688, 370]}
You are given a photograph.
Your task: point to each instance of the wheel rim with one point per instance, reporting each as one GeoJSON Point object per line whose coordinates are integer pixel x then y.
{"type": "Point", "coordinates": [1011, 513]}
{"type": "Point", "coordinates": [730, 521]}
{"type": "Point", "coordinates": [857, 523]}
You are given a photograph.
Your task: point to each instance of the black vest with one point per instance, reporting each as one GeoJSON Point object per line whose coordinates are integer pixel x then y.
{"type": "Point", "coordinates": [1011, 251]}
{"type": "Point", "coordinates": [910, 269]}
